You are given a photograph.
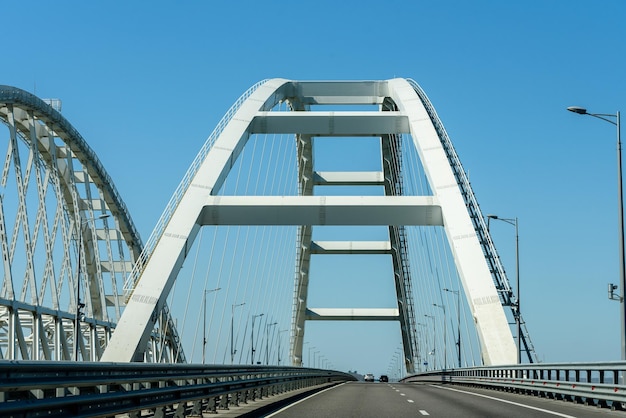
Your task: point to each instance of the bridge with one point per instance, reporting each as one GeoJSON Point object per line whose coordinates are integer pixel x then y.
{"type": "Point", "coordinates": [315, 211]}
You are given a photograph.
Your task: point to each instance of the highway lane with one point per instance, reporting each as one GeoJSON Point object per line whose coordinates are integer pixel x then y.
{"type": "Point", "coordinates": [363, 400]}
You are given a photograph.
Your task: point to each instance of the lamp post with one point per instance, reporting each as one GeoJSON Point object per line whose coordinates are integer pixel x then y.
{"type": "Point", "coordinates": [458, 319]}
{"type": "Point", "coordinates": [518, 316]}
{"type": "Point", "coordinates": [232, 332]}
{"type": "Point", "coordinates": [280, 332]}
{"type": "Point", "coordinates": [252, 338]}
{"type": "Point", "coordinates": [620, 200]}
{"type": "Point", "coordinates": [434, 342]}
{"type": "Point", "coordinates": [267, 342]}
{"type": "Point", "coordinates": [310, 355]}
{"type": "Point", "coordinates": [79, 304]}
{"type": "Point", "coordinates": [445, 343]}
{"type": "Point", "coordinates": [400, 362]}
{"type": "Point", "coordinates": [423, 359]}
{"type": "Point", "coordinates": [204, 322]}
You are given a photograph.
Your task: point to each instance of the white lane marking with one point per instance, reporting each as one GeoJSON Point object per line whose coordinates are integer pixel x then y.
{"type": "Point", "coordinates": [402, 394]}
{"type": "Point", "coordinates": [423, 412]}
{"type": "Point", "coordinates": [302, 400]}
{"type": "Point", "coordinates": [410, 400]}
{"type": "Point", "coordinates": [558, 414]}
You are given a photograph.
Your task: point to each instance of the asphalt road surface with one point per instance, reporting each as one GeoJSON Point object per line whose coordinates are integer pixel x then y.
{"type": "Point", "coordinates": [364, 399]}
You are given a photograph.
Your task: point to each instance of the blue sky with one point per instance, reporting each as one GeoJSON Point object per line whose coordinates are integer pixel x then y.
{"type": "Point", "coordinates": [146, 83]}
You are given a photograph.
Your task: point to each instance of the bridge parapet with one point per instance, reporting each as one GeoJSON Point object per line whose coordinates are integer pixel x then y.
{"type": "Point", "coordinates": [86, 389]}
{"type": "Point", "coordinates": [598, 384]}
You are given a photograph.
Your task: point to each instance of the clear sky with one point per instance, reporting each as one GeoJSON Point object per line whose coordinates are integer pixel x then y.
{"type": "Point", "coordinates": [146, 82]}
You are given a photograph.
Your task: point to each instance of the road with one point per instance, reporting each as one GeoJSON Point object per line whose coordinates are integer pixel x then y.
{"type": "Point", "coordinates": [362, 400]}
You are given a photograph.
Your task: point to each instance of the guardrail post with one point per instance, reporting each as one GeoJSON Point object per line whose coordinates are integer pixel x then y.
{"type": "Point", "coordinates": [159, 412]}
{"type": "Point", "coordinates": [223, 402]}
{"type": "Point", "coordinates": [211, 406]}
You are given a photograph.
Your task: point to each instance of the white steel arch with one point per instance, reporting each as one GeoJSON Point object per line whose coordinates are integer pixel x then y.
{"type": "Point", "coordinates": [67, 239]}
{"type": "Point", "coordinates": [404, 109]}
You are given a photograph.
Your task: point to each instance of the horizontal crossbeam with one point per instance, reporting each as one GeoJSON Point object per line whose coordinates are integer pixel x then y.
{"type": "Point", "coordinates": [349, 178]}
{"type": "Point", "coordinates": [352, 314]}
{"type": "Point", "coordinates": [321, 210]}
{"type": "Point", "coordinates": [330, 123]}
{"type": "Point", "coordinates": [350, 247]}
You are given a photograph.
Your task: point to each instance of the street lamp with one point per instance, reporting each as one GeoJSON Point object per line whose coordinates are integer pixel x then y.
{"type": "Point", "coordinates": [423, 357]}
{"type": "Point", "coordinates": [267, 342]}
{"type": "Point", "coordinates": [434, 341]}
{"type": "Point", "coordinates": [79, 304]}
{"type": "Point", "coordinates": [310, 355]}
{"type": "Point", "coordinates": [232, 332]}
{"type": "Point", "coordinates": [280, 332]}
{"type": "Point", "coordinates": [458, 318]}
{"type": "Point", "coordinates": [518, 316]}
{"type": "Point", "coordinates": [445, 343]}
{"type": "Point", "coordinates": [620, 200]}
{"type": "Point", "coordinates": [252, 338]}
{"type": "Point", "coordinates": [204, 323]}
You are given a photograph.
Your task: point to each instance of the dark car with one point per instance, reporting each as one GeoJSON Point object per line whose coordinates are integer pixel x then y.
{"type": "Point", "coordinates": [383, 378]}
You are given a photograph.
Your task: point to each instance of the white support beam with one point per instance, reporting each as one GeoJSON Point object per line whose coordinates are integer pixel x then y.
{"type": "Point", "coordinates": [330, 123]}
{"type": "Point", "coordinates": [332, 92]}
{"type": "Point", "coordinates": [350, 247]}
{"type": "Point", "coordinates": [352, 314]}
{"type": "Point", "coordinates": [321, 210]}
{"type": "Point", "coordinates": [348, 178]}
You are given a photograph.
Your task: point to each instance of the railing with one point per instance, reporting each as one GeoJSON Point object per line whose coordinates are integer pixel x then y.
{"type": "Point", "coordinates": [590, 383]}
{"type": "Point", "coordinates": [104, 389]}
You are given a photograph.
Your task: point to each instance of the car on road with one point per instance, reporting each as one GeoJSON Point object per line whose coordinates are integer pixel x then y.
{"type": "Point", "coordinates": [383, 378]}
{"type": "Point", "coordinates": [369, 377]}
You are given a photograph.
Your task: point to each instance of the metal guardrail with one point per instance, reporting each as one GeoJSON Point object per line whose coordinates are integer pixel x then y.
{"type": "Point", "coordinates": [597, 384]}
{"type": "Point", "coordinates": [59, 389]}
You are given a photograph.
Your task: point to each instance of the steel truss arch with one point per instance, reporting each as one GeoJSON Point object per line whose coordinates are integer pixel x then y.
{"type": "Point", "coordinates": [73, 222]}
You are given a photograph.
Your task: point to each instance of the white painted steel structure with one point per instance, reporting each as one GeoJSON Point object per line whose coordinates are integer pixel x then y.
{"type": "Point", "coordinates": [403, 111]}
{"type": "Point", "coordinates": [54, 196]}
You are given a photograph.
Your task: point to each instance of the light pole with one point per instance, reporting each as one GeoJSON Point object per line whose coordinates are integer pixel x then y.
{"type": "Point", "coordinates": [458, 319]}
{"type": "Point", "coordinates": [423, 356]}
{"type": "Point", "coordinates": [232, 332]}
{"type": "Point", "coordinates": [79, 304]}
{"type": "Point", "coordinates": [267, 342]}
{"type": "Point", "coordinates": [445, 342]}
{"type": "Point", "coordinates": [280, 332]}
{"type": "Point", "coordinates": [434, 342]}
{"type": "Point", "coordinates": [310, 355]}
{"type": "Point", "coordinates": [252, 338]}
{"type": "Point", "coordinates": [518, 316]}
{"type": "Point", "coordinates": [620, 201]}
{"type": "Point", "coordinates": [400, 360]}
{"type": "Point", "coordinates": [204, 323]}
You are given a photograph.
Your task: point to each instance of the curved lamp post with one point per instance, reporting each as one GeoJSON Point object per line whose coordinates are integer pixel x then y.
{"type": "Point", "coordinates": [267, 342]}
{"type": "Point", "coordinates": [615, 120]}
{"type": "Point", "coordinates": [252, 350]}
{"type": "Point", "coordinates": [458, 321]}
{"type": "Point", "coordinates": [434, 341]}
{"type": "Point", "coordinates": [204, 321]}
{"type": "Point", "coordinates": [445, 343]}
{"type": "Point", "coordinates": [232, 331]}
{"type": "Point", "coordinates": [518, 317]}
